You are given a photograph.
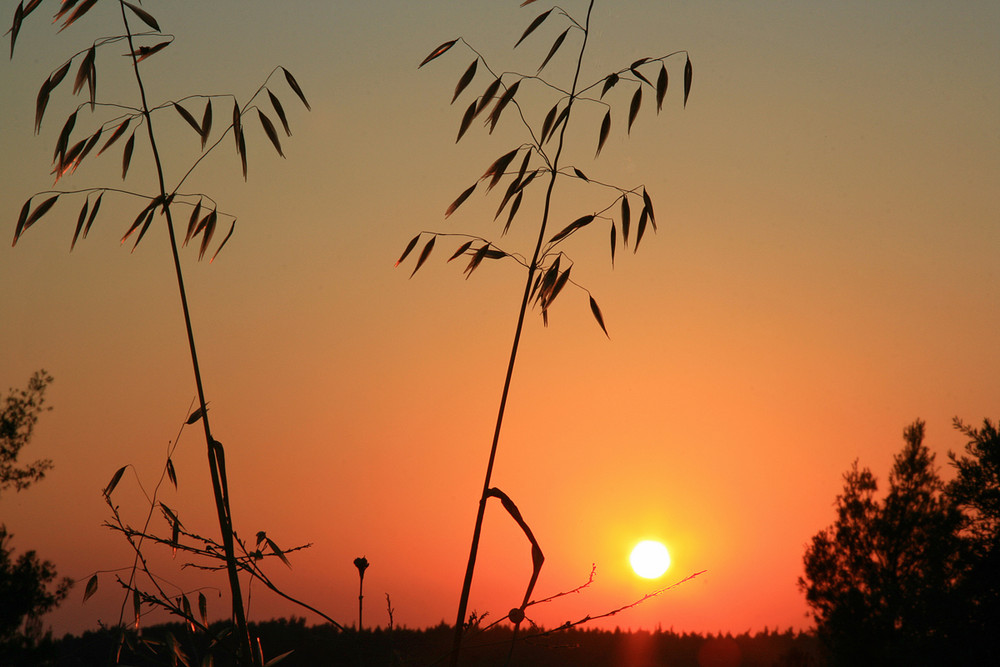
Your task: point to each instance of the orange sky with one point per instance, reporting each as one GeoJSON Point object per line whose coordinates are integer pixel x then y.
{"type": "Point", "coordinates": [824, 274]}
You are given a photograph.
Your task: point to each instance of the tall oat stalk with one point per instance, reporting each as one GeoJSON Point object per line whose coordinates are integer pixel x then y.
{"type": "Point", "coordinates": [546, 275]}
{"type": "Point", "coordinates": [68, 158]}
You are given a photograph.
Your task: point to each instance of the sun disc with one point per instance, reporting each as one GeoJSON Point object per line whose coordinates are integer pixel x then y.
{"type": "Point", "coordinates": [650, 559]}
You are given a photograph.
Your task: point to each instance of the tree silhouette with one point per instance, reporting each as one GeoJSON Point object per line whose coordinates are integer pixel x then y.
{"type": "Point", "coordinates": [25, 581]}
{"type": "Point", "coordinates": [881, 580]}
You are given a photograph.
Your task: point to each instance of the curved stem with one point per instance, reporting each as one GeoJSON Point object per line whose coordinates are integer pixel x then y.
{"type": "Point", "coordinates": [525, 298]}
{"type": "Point", "coordinates": [215, 451]}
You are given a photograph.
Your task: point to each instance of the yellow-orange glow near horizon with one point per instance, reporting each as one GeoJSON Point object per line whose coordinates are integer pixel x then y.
{"type": "Point", "coordinates": [650, 559]}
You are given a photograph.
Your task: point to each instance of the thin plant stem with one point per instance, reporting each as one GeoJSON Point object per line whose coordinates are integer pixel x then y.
{"type": "Point", "coordinates": [216, 458]}
{"type": "Point", "coordinates": [532, 268]}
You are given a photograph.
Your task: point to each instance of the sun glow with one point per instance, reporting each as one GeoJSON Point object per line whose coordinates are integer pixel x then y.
{"type": "Point", "coordinates": [650, 559]}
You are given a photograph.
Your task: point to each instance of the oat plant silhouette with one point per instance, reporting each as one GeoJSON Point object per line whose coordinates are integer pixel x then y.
{"type": "Point", "coordinates": [204, 214]}
{"type": "Point", "coordinates": [547, 272]}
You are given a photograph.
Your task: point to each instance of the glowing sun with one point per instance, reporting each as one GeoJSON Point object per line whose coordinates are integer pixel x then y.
{"type": "Point", "coordinates": [650, 559]}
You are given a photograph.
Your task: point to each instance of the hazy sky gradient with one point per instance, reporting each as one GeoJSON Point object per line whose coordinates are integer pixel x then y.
{"type": "Point", "coordinates": [824, 274]}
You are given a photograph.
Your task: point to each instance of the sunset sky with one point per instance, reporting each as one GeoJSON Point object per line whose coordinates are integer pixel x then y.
{"type": "Point", "coordinates": [825, 272]}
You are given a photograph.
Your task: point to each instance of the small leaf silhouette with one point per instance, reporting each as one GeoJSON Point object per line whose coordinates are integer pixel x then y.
{"type": "Point", "coordinates": [648, 205]}
{"type": "Point", "coordinates": [501, 103]}
{"type": "Point", "coordinates": [572, 227]}
{"type": "Point", "coordinates": [614, 242]}
{"type": "Point", "coordinates": [424, 254]}
{"type": "Point", "coordinates": [625, 218]}
{"type": "Point", "coordinates": [82, 9]}
{"type": "Point", "coordinates": [241, 143]}
{"type": "Point", "coordinates": [633, 110]}
{"type": "Point", "coordinates": [114, 481]}
{"type": "Point", "coordinates": [59, 155]}
{"type": "Point", "coordinates": [688, 74]}
{"type": "Point", "coordinates": [294, 85]}
{"type": "Point", "coordinates": [278, 552]}
{"type": "Point", "coordinates": [488, 95]}
{"type": "Point", "coordinates": [595, 309]}
{"type": "Point", "coordinates": [206, 123]}
{"type": "Point", "coordinates": [188, 117]}
{"type": "Point", "coordinates": [83, 73]}
{"type": "Point", "coordinates": [91, 588]}
{"type": "Point", "coordinates": [93, 215]}
{"type": "Point", "coordinates": [531, 28]}
{"type": "Point", "coordinates": [206, 238]}
{"type": "Point", "coordinates": [146, 17]}
{"type": "Point", "coordinates": [280, 110]}
{"type": "Point", "coordinates": [496, 170]}
{"type": "Point", "coordinates": [661, 87]}
{"type": "Point", "coordinates": [146, 51]}
{"type": "Point", "coordinates": [547, 123]}
{"type": "Point", "coordinates": [21, 219]}
{"type": "Point", "coordinates": [605, 130]}
{"type": "Point", "coordinates": [461, 198]}
{"type": "Point", "coordinates": [269, 131]}
{"type": "Point", "coordinates": [552, 51]}
{"type": "Point", "coordinates": [16, 26]}
{"type": "Point", "coordinates": [79, 223]}
{"type": "Point", "coordinates": [609, 83]}
{"type": "Point", "coordinates": [513, 210]}
{"type": "Point", "coordinates": [470, 113]}
{"type": "Point", "coordinates": [192, 225]}
{"type": "Point", "coordinates": [127, 155]}
{"type": "Point", "coordinates": [643, 219]}
{"type": "Point", "coordinates": [116, 135]}
{"type": "Point", "coordinates": [171, 473]}
{"type": "Point", "coordinates": [197, 414]}
{"type": "Point", "coordinates": [461, 250]}
{"type": "Point", "coordinates": [437, 52]}
{"type": "Point", "coordinates": [466, 79]}
{"type": "Point", "coordinates": [559, 121]}
{"type": "Point", "coordinates": [580, 174]}
{"type": "Point", "coordinates": [41, 210]}
{"type": "Point", "coordinates": [203, 608]}
{"type": "Point", "coordinates": [409, 248]}
{"type": "Point", "coordinates": [634, 68]}
{"type": "Point", "coordinates": [232, 228]}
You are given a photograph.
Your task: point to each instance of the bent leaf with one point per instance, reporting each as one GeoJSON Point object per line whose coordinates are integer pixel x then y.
{"type": "Point", "coordinates": [21, 219]}
{"type": "Point", "coordinates": [16, 26]}
{"type": "Point", "coordinates": [91, 588]}
{"type": "Point", "coordinates": [465, 80]}
{"type": "Point", "coordinates": [605, 130]}
{"type": "Point", "coordinates": [437, 52]}
{"type": "Point", "coordinates": [552, 51]}
{"type": "Point", "coordinates": [424, 254]}
{"type": "Point", "coordinates": [461, 198]}
{"type": "Point", "coordinates": [534, 24]}
{"type": "Point", "coordinates": [595, 309]}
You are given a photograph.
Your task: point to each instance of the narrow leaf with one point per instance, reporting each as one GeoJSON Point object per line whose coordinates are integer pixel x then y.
{"type": "Point", "coordinates": [609, 83]}
{"type": "Point", "coordinates": [79, 223]}
{"type": "Point", "coordinates": [661, 87]}
{"type": "Point", "coordinates": [82, 9]}
{"type": "Point", "coordinates": [688, 73]}
{"type": "Point", "coordinates": [21, 219]}
{"type": "Point", "coordinates": [127, 155]}
{"type": "Point", "coordinates": [278, 109]}
{"type": "Point", "coordinates": [146, 51]}
{"type": "Point", "coordinates": [580, 174]}
{"type": "Point", "coordinates": [461, 250]}
{"type": "Point", "coordinates": [424, 254]}
{"type": "Point", "coordinates": [513, 210]}
{"type": "Point", "coordinates": [206, 238]}
{"type": "Point", "coordinates": [547, 123]}
{"type": "Point", "coordinates": [470, 113]}
{"type": "Point", "coordinates": [195, 416]}
{"type": "Point", "coordinates": [634, 68]}
{"type": "Point", "coordinates": [625, 218]}
{"type": "Point", "coordinates": [241, 143]}
{"type": "Point", "coordinates": [206, 124]}
{"type": "Point", "coordinates": [91, 588]}
{"type": "Point", "coordinates": [633, 110]}
{"type": "Point", "coordinates": [186, 115]}
{"type": "Point", "coordinates": [409, 248]}
{"type": "Point", "coordinates": [595, 309]}
{"type": "Point", "coordinates": [269, 131]}
{"type": "Point", "coordinates": [437, 52]}
{"type": "Point", "coordinates": [16, 26]}
{"type": "Point", "coordinates": [614, 243]}
{"type": "Point", "coordinates": [559, 284]}
{"type": "Point", "coordinates": [560, 120]}
{"type": "Point", "coordinates": [465, 80]}
{"type": "Point", "coordinates": [552, 51]}
{"type": "Point", "coordinates": [648, 205]}
{"type": "Point", "coordinates": [278, 658]}
{"type": "Point", "coordinates": [42, 101]}
{"type": "Point", "coordinates": [488, 95]}
{"type": "Point", "coordinates": [41, 210]}
{"type": "Point", "coordinates": [59, 75]}
{"type": "Point", "coordinates": [144, 16]}
{"type": "Point", "coordinates": [458, 202]}
{"type": "Point", "coordinates": [534, 24]}
{"type": "Point", "coordinates": [83, 72]}
{"type": "Point", "coordinates": [232, 228]}
{"type": "Point", "coordinates": [171, 473]}
{"type": "Point", "coordinates": [278, 552]}
{"type": "Point", "coordinates": [63, 143]}
{"type": "Point", "coordinates": [190, 232]}
{"type": "Point", "coordinates": [496, 170]}
{"type": "Point", "coordinates": [294, 85]}
{"type": "Point", "coordinates": [643, 219]}
{"type": "Point", "coordinates": [114, 481]}
{"type": "Point", "coordinates": [93, 215]}
{"type": "Point", "coordinates": [501, 103]}
{"type": "Point", "coordinates": [572, 227]}
{"type": "Point", "coordinates": [237, 125]}
{"type": "Point", "coordinates": [203, 608]}
{"type": "Point", "coordinates": [116, 135]}
{"type": "Point", "coordinates": [605, 130]}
